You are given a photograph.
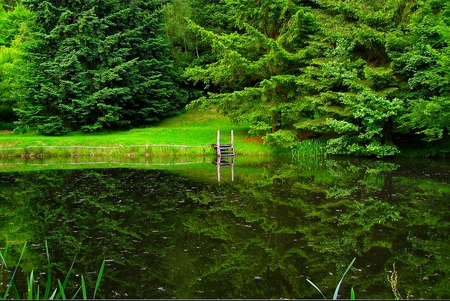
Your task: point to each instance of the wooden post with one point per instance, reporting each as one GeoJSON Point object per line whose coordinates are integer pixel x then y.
{"type": "Point", "coordinates": [218, 170]}
{"type": "Point", "coordinates": [232, 172]}
{"type": "Point", "coordinates": [232, 138]}
{"type": "Point", "coordinates": [218, 142]}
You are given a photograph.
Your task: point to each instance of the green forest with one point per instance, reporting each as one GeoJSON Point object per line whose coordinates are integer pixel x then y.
{"type": "Point", "coordinates": [368, 76]}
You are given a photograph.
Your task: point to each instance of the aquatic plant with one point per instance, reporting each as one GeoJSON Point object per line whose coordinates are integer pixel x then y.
{"type": "Point", "coordinates": [336, 291]}
{"type": "Point", "coordinates": [34, 292]}
{"type": "Point", "coordinates": [310, 148]}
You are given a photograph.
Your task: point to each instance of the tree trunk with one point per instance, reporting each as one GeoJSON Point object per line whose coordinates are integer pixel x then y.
{"type": "Point", "coordinates": [387, 131]}
{"type": "Point", "coordinates": [276, 121]}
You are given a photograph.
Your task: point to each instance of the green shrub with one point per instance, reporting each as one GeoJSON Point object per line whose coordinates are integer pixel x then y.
{"type": "Point", "coordinates": [281, 139]}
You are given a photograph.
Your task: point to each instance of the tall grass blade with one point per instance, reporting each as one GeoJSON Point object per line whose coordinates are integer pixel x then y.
{"type": "Point", "coordinates": [15, 291]}
{"type": "Point", "coordinates": [99, 278]}
{"type": "Point", "coordinates": [76, 293]}
{"type": "Point", "coordinates": [53, 295]}
{"type": "Point", "coordinates": [5, 252]}
{"type": "Point", "coordinates": [46, 251]}
{"type": "Point", "coordinates": [61, 291]}
{"type": "Point", "coordinates": [11, 281]}
{"type": "Point", "coordinates": [66, 280]}
{"type": "Point", "coordinates": [49, 273]}
{"type": "Point", "coordinates": [336, 292]}
{"type": "Point", "coordinates": [3, 255]}
{"type": "Point", "coordinates": [30, 285]}
{"type": "Point", "coordinates": [49, 282]}
{"type": "Point", "coordinates": [352, 294]}
{"type": "Point", "coordinates": [315, 286]}
{"type": "Point", "coordinates": [83, 288]}
{"type": "Point", "coordinates": [3, 261]}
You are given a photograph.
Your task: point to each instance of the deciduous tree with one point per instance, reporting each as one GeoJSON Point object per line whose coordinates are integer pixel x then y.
{"type": "Point", "coordinates": [426, 64]}
{"type": "Point", "coordinates": [13, 33]}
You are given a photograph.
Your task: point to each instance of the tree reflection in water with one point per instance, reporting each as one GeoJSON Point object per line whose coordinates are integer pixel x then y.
{"type": "Point", "coordinates": [167, 235]}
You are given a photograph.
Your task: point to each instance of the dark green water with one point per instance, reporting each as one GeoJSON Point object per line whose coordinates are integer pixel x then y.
{"type": "Point", "coordinates": [179, 233]}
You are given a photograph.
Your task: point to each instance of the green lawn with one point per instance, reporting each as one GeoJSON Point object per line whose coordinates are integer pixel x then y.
{"type": "Point", "coordinates": [194, 128]}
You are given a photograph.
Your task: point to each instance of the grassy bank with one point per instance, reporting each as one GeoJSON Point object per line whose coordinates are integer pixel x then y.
{"type": "Point", "coordinates": [188, 134]}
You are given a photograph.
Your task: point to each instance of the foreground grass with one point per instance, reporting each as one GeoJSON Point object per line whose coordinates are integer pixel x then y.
{"type": "Point", "coordinates": [34, 292]}
{"type": "Point", "coordinates": [190, 133]}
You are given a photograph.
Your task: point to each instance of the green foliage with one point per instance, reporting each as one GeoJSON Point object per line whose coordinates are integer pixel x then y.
{"type": "Point", "coordinates": [375, 72]}
{"type": "Point", "coordinates": [309, 148]}
{"type": "Point", "coordinates": [351, 145]}
{"type": "Point", "coordinates": [95, 67]}
{"type": "Point", "coordinates": [430, 116]}
{"type": "Point", "coordinates": [257, 69]}
{"type": "Point", "coordinates": [10, 72]}
{"type": "Point", "coordinates": [186, 46]}
{"type": "Point", "coordinates": [362, 69]}
{"type": "Point", "coordinates": [426, 63]}
{"type": "Point", "coordinates": [341, 126]}
{"type": "Point", "coordinates": [12, 23]}
{"type": "Point", "coordinates": [281, 138]}
{"type": "Point", "coordinates": [13, 33]}
{"type": "Point", "coordinates": [373, 114]}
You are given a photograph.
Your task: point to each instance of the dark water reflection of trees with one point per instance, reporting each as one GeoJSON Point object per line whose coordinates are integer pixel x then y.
{"type": "Point", "coordinates": [167, 235]}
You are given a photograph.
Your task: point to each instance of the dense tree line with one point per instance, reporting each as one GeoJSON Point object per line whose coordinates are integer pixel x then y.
{"type": "Point", "coordinates": [368, 75]}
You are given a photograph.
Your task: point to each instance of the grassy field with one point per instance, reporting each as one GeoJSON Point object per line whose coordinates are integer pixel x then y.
{"type": "Point", "coordinates": [190, 133]}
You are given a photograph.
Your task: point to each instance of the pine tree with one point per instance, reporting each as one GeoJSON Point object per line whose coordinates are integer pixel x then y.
{"type": "Point", "coordinates": [96, 64]}
{"type": "Point", "coordinates": [356, 85]}
{"type": "Point", "coordinates": [257, 68]}
{"type": "Point", "coordinates": [387, 73]}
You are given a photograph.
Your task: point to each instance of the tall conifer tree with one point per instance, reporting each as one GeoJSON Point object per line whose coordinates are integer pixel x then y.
{"type": "Point", "coordinates": [355, 83]}
{"type": "Point", "coordinates": [257, 67]}
{"type": "Point", "coordinates": [96, 64]}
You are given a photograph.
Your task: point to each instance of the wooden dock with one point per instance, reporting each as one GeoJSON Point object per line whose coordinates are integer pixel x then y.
{"type": "Point", "coordinates": [225, 155]}
{"type": "Point", "coordinates": [224, 150]}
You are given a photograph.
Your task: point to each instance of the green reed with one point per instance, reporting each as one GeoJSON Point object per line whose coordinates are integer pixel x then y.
{"type": "Point", "coordinates": [34, 291]}
{"type": "Point", "coordinates": [310, 148]}
{"type": "Point", "coordinates": [336, 291]}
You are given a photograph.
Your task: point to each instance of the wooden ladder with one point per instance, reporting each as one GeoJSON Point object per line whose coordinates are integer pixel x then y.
{"type": "Point", "coordinates": [225, 155]}
{"type": "Point", "coordinates": [225, 150]}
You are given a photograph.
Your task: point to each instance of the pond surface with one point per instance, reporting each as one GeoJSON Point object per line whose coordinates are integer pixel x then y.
{"type": "Point", "coordinates": [179, 233]}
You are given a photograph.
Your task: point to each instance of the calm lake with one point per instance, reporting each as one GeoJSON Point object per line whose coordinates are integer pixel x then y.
{"type": "Point", "coordinates": [175, 231]}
